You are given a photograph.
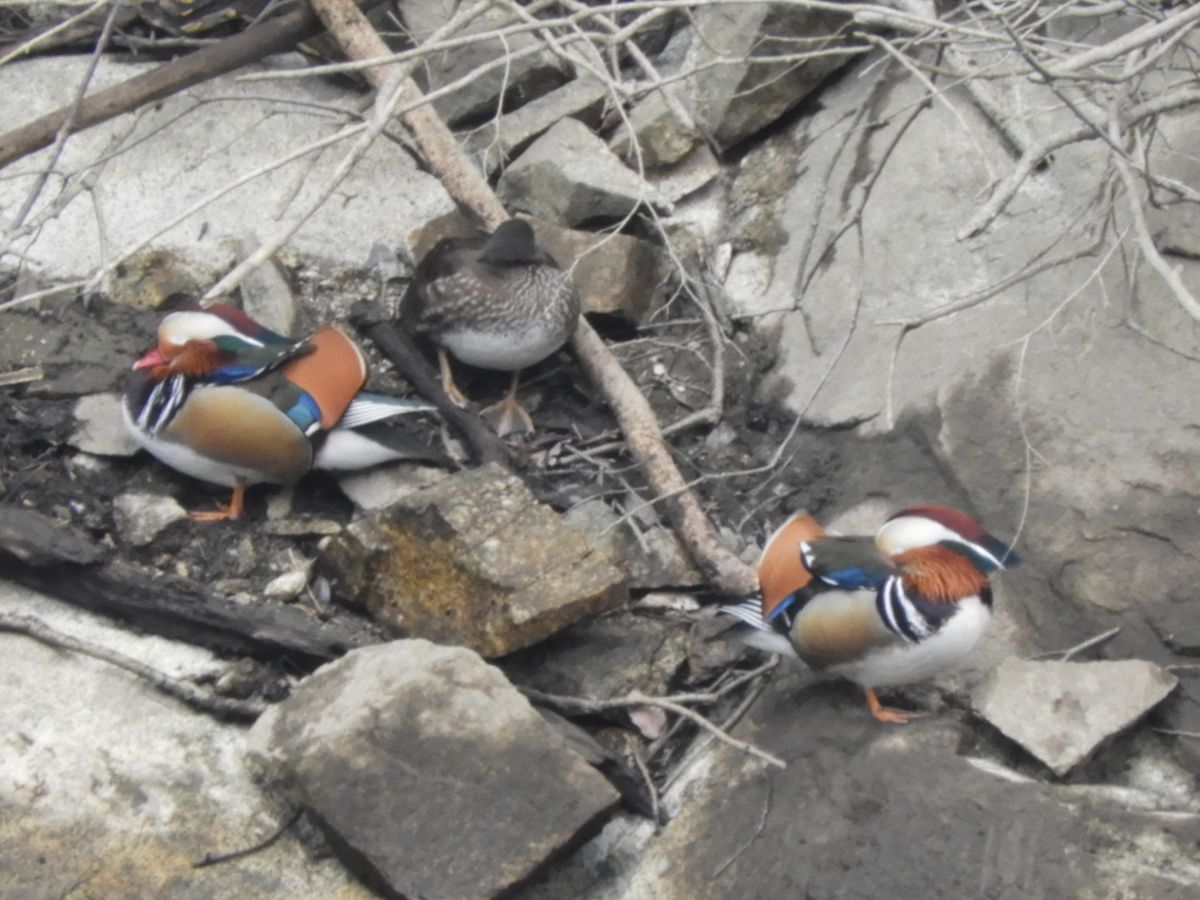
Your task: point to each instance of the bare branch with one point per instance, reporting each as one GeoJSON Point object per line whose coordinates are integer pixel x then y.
{"type": "Point", "coordinates": [193, 696]}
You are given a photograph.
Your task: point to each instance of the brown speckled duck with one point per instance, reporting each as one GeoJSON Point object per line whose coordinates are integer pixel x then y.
{"type": "Point", "coordinates": [497, 302]}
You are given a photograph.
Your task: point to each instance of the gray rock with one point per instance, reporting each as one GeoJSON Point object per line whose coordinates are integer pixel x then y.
{"type": "Point", "coordinates": [931, 822]}
{"type": "Point", "coordinates": [609, 656]}
{"type": "Point", "coordinates": [1062, 711]}
{"type": "Point", "coordinates": [732, 101]}
{"type": "Point", "coordinates": [266, 295]}
{"type": "Point", "coordinates": [430, 768]}
{"type": "Point", "coordinates": [615, 274]}
{"type": "Point", "coordinates": [1111, 513]}
{"type": "Point", "coordinates": [191, 144]}
{"type": "Point", "coordinates": [496, 142]}
{"type": "Point", "coordinates": [657, 560]}
{"type": "Point", "coordinates": [569, 176]}
{"type": "Point", "coordinates": [658, 135]}
{"type": "Point", "coordinates": [151, 277]}
{"type": "Point", "coordinates": [382, 486]}
{"type": "Point", "coordinates": [524, 76]}
{"type": "Point", "coordinates": [474, 559]}
{"type": "Point", "coordinates": [915, 263]}
{"type": "Point", "coordinates": [100, 427]}
{"type": "Point", "coordinates": [697, 170]}
{"type": "Point", "coordinates": [140, 518]}
{"type": "Point", "coordinates": [121, 789]}
{"type": "Point", "coordinates": [288, 586]}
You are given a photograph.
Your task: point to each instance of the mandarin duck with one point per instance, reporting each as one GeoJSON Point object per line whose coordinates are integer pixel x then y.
{"type": "Point", "coordinates": [900, 608]}
{"type": "Point", "coordinates": [225, 400]}
{"type": "Point", "coordinates": [496, 302]}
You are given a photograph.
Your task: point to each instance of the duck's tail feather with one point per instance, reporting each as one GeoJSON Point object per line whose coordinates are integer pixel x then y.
{"type": "Point", "coordinates": [367, 407]}
{"type": "Point", "coordinates": [761, 634]}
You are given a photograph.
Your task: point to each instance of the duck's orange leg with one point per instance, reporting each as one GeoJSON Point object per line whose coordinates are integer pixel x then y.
{"type": "Point", "coordinates": [508, 416]}
{"type": "Point", "coordinates": [232, 510]}
{"type": "Point", "coordinates": [456, 396]}
{"type": "Point", "coordinates": [883, 714]}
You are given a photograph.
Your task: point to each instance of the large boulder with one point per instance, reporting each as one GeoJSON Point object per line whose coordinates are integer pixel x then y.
{"type": "Point", "coordinates": [429, 770]}
{"type": "Point", "coordinates": [733, 90]}
{"type": "Point", "coordinates": [865, 810]}
{"type": "Point", "coordinates": [185, 148]}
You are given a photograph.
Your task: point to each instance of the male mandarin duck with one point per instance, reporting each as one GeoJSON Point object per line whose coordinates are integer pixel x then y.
{"type": "Point", "coordinates": [497, 302]}
{"type": "Point", "coordinates": [899, 609]}
{"type": "Point", "coordinates": [225, 400]}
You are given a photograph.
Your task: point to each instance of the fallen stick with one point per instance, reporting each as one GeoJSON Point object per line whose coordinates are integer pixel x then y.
{"type": "Point", "coordinates": [485, 446]}
{"type": "Point", "coordinates": [467, 185]}
{"type": "Point", "coordinates": [274, 35]}
{"type": "Point", "coordinates": [193, 696]}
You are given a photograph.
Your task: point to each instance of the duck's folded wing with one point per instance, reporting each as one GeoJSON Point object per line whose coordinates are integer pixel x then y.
{"type": "Point", "coordinates": [331, 374]}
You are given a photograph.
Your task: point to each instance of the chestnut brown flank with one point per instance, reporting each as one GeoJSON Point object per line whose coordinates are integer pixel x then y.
{"type": "Point", "coordinates": [781, 571]}
{"type": "Point", "coordinates": [938, 573]}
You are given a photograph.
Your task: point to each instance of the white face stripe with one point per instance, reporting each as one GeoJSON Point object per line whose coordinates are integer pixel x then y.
{"type": "Point", "coordinates": [191, 325]}
{"type": "Point", "coordinates": [909, 532]}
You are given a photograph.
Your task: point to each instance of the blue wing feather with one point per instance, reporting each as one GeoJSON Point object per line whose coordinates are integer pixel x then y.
{"type": "Point", "coordinates": [853, 578]}
{"type": "Point", "coordinates": [305, 413]}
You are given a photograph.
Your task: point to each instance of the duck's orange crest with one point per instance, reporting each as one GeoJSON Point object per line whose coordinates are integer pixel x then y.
{"type": "Point", "coordinates": [194, 359]}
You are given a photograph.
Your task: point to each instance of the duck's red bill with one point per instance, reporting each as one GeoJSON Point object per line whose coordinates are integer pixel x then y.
{"type": "Point", "coordinates": [154, 358]}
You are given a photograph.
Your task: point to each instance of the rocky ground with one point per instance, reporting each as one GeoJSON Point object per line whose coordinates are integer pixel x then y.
{"type": "Point", "coordinates": [341, 682]}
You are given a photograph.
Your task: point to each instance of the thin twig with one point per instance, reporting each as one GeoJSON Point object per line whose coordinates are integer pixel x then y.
{"type": "Point", "coordinates": [21, 376]}
{"type": "Point", "coordinates": [1172, 731]}
{"type": "Point", "coordinates": [1168, 273]}
{"type": "Point", "coordinates": [190, 694]}
{"type": "Point", "coordinates": [1071, 652]}
{"type": "Point", "coordinates": [749, 842]}
{"type": "Point", "coordinates": [635, 751]}
{"type": "Point", "coordinates": [212, 859]}
{"type": "Point", "coordinates": [673, 704]}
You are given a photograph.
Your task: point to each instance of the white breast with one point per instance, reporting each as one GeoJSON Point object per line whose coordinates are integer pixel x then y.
{"type": "Point", "coordinates": [504, 351]}
{"type": "Point", "coordinates": [906, 663]}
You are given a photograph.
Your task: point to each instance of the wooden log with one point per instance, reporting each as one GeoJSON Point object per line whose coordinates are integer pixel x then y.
{"type": "Point", "coordinates": [58, 560]}
{"type": "Point", "coordinates": [397, 346]}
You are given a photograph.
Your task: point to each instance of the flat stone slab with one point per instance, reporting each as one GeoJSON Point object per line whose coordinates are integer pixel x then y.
{"type": "Point", "coordinates": [474, 559]}
{"type": "Point", "coordinates": [184, 148]}
{"type": "Point", "coordinates": [1062, 711]}
{"type": "Point", "coordinates": [108, 788]}
{"type": "Point", "coordinates": [436, 774]}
